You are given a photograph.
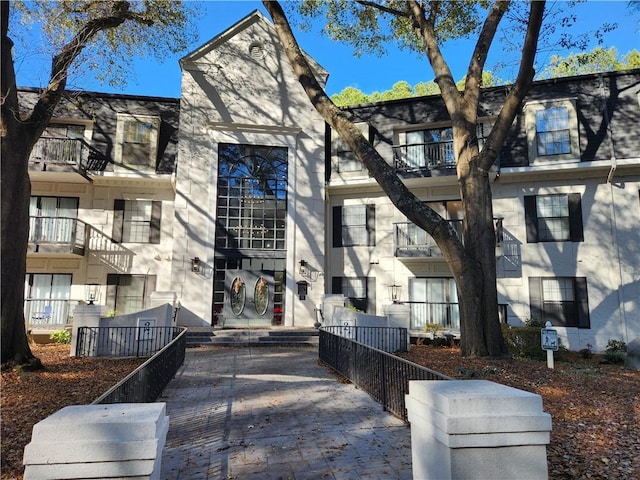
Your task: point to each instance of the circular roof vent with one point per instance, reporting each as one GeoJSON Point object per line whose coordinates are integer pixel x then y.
{"type": "Point", "coordinates": [256, 50]}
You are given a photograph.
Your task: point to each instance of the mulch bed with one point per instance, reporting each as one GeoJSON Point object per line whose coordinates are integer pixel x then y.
{"type": "Point", "coordinates": [28, 397]}
{"type": "Point", "coordinates": [595, 407]}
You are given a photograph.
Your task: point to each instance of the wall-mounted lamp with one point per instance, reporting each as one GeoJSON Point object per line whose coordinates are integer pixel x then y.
{"type": "Point", "coordinates": [499, 237]}
{"type": "Point", "coordinates": [393, 292]}
{"type": "Point", "coordinates": [304, 269]}
{"type": "Point", "coordinates": [196, 266]}
{"type": "Point", "coordinates": [92, 291]}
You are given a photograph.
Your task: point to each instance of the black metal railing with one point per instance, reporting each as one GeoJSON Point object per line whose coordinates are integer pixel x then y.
{"type": "Point", "coordinates": [123, 341]}
{"type": "Point", "coordinates": [387, 339]}
{"type": "Point", "coordinates": [146, 383]}
{"type": "Point", "coordinates": [424, 156]}
{"type": "Point", "coordinates": [385, 377]}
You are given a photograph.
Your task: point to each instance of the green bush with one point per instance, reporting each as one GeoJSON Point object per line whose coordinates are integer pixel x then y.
{"type": "Point", "coordinates": [524, 342]}
{"type": "Point", "coordinates": [61, 336]}
{"type": "Point", "coordinates": [615, 352]}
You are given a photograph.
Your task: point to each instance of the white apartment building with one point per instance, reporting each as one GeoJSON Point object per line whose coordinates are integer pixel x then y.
{"type": "Point", "coordinates": [239, 204]}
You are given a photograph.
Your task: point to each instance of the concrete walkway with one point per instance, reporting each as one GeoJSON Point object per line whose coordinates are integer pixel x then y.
{"type": "Point", "coordinates": [275, 413]}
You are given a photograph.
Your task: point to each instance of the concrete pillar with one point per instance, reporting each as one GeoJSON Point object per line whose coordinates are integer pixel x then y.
{"type": "Point", "coordinates": [85, 316]}
{"type": "Point", "coordinates": [399, 315]}
{"type": "Point", "coordinates": [122, 441]}
{"type": "Point", "coordinates": [476, 429]}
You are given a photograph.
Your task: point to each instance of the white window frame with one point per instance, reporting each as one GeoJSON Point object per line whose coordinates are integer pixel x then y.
{"type": "Point", "coordinates": [531, 109]}
{"type": "Point", "coordinates": [153, 123]}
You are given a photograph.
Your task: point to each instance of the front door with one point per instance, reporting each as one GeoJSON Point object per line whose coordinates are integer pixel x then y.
{"type": "Point", "coordinates": [248, 298]}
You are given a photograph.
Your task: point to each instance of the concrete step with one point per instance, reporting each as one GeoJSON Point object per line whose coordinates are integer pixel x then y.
{"type": "Point", "coordinates": [278, 337]}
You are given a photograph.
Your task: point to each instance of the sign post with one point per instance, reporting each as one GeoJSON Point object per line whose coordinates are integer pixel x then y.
{"type": "Point", "coordinates": [549, 339]}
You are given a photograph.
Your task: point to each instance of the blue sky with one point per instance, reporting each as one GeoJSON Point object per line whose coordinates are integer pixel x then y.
{"type": "Point", "coordinates": [368, 73]}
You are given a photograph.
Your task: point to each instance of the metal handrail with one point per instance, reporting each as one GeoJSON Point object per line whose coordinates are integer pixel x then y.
{"type": "Point", "coordinates": [384, 376]}
{"type": "Point", "coordinates": [146, 383]}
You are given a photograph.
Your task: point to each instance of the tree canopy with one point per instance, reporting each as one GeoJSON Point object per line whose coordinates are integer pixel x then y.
{"type": "Point", "coordinates": [595, 61]}
{"type": "Point", "coordinates": [153, 28]}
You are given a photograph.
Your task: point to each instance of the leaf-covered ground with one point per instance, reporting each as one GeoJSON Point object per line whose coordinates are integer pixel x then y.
{"type": "Point", "coordinates": [28, 397]}
{"type": "Point", "coordinates": [595, 408]}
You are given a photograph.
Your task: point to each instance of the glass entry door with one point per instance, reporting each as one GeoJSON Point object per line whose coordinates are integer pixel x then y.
{"type": "Point", "coordinates": [248, 298]}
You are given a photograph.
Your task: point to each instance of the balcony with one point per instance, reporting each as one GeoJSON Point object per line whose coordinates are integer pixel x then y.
{"type": "Point", "coordinates": [63, 235]}
{"type": "Point", "coordinates": [57, 235]}
{"type": "Point", "coordinates": [47, 313]}
{"type": "Point", "coordinates": [410, 241]}
{"type": "Point", "coordinates": [425, 159]}
{"type": "Point", "coordinates": [66, 155]}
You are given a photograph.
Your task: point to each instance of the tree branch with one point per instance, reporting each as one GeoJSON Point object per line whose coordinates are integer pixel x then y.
{"type": "Point", "coordinates": [481, 50]}
{"type": "Point", "coordinates": [425, 29]}
{"type": "Point", "coordinates": [415, 210]}
{"type": "Point", "coordinates": [383, 8]}
{"type": "Point", "coordinates": [9, 94]}
{"type": "Point", "coordinates": [519, 89]}
{"type": "Point", "coordinates": [50, 96]}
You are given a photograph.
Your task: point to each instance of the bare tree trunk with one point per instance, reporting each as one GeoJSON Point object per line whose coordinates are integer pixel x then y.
{"type": "Point", "coordinates": [16, 190]}
{"type": "Point", "coordinates": [477, 292]}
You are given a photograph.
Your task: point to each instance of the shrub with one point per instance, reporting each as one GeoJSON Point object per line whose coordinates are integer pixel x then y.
{"type": "Point", "coordinates": [61, 336]}
{"type": "Point", "coordinates": [615, 352]}
{"type": "Point", "coordinates": [524, 342]}
{"type": "Point", "coordinates": [587, 352]}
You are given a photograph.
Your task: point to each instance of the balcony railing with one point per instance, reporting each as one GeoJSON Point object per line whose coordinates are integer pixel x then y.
{"type": "Point", "coordinates": [424, 158]}
{"type": "Point", "coordinates": [72, 153]}
{"type": "Point", "coordinates": [47, 313]}
{"type": "Point", "coordinates": [412, 241]}
{"type": "Point", "coordinates": [57, 234]}
{"type": "Point", "coordinates": [445, 314]}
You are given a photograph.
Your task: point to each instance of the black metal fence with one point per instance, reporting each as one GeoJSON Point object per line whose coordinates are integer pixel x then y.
{"type": "Point", "coordinates": [146, 383]}
{"type": "Point", "coordinates": [387, 339]}
{"type": "Point", "coordinates": [123, 341]}
{"type": "Point", "coordinates": [382, 375]}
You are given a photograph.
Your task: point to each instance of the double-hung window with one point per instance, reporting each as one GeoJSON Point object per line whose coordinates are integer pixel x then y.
{"type": "Point", "coordinates": [137, 142]}
{"type": "Point", "coordinates": [137, 221]}
{"type": "Point", "coordinates": [552, 131]}
{"type": "Point", "coordinates": [560, 300]}
{"type": "Point", "coordinates": [353, 225]}
{"type": "Point", "coordinates": [553, 218]}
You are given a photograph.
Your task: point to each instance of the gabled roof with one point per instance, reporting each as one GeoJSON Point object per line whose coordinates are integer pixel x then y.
{"type": "Point", "coordinates": [254, 17]}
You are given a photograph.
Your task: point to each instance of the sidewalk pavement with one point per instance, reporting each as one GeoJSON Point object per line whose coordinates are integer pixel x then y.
{"type": "Point", "coordinates": [275, 413]}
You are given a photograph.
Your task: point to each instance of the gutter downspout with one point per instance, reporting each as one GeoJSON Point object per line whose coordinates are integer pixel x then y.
{"type": "Point", "coordinates": [612, 214]}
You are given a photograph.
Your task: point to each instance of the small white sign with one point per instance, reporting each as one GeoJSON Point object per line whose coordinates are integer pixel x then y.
{"type": "Point", "coordinates": [550, 339]}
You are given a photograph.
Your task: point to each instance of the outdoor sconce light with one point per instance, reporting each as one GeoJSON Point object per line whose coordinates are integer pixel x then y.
{"type": "Point", "coordinates": [92, 291]}
{"type": "Point", "coordinates": [499, 237]}
{"type": "Point", "coordinates": [393, 292]}
{"type": "Point", "coordinates": [304, 269]}
{"type": "Point", "coordinates": [195, 265]}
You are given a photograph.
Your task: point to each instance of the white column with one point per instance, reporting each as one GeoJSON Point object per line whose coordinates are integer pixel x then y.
{"type": "Point", "coordinates": [476, 429]}
{"type": "Point", "coordinates": [85, 316]}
